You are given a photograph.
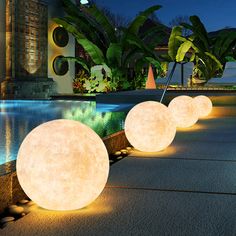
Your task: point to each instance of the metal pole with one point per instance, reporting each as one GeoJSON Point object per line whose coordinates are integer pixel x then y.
{"type": "Point", "coordinates": [182, 74]}
{"type": "Point", "coordinates": [168, 82]}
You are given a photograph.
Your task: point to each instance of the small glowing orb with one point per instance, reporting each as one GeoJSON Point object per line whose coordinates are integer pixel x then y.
{"type": "Point", "coordinates": [204, 105]}
{"type": "Point", "coordinates": [184, 111]}
{"type": "Point", "coordinates": [62, 165]}
{"type": "Point", "coordinates": [84, 1]}
{"type": "Point", "coordinates": [150, 127]}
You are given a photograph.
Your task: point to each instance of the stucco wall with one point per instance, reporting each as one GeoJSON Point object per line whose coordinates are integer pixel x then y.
{"type": "Point", "coordinates": [63, 83]}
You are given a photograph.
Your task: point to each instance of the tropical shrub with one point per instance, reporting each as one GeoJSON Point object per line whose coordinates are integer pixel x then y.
{"type": "Point", "coordinates": [120, 49]}
{"type": "Point", "coordinates": [209, 54]}
{"type": "Point", "coordinates": [100, 80]}
{"type": "Point", "coordinates": [79, 81]}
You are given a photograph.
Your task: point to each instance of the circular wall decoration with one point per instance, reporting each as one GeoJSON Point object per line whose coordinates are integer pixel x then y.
{"type": "Point", "coordinates": [60, 36]}
{"type": "Point", "coordinates": [60, 66]}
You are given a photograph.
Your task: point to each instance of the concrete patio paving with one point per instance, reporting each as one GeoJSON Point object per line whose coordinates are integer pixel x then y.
{"type": "Point", "coordinates": [187, 189]}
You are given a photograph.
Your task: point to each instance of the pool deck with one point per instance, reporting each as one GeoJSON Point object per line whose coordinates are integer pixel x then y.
{"type": "Point", "coordinates": [188, 189]}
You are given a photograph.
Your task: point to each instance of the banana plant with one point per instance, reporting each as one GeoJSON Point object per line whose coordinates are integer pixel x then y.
{"type": "Point", "coordinates": [186, 49]}
{"type": "Point", "coordinates": [119, 49]}
{"type": "Point", "coordinates": [208, 54]}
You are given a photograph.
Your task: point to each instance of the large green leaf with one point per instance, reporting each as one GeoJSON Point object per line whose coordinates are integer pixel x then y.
{"type": "Point", "coordinates": [183, 49]}
{"type": "Point", "coordinates": [192, 58]}
{"type": "Point", "coordinates": [200, 31]}
{"type": "Point", "coordinates": [104, 23]}
{"type": "Point", "coordinates": [229, 58]}
{"type": "Point", "coordinates": [86, 29]}
{"type": "Point", "coordinates": [181, 39]}
{"type": "Point", "coordinates": [70, 8]}
{"type": "Point", "coordinates": [79, 17]}
{"type": "Point", "coordinates": [69, 27]}
{"type": "Point", "coordinates": [94, 52]}
{"type": "Point", "coordinates": [130, 55]}
{"type": "Point", "coordinates": [166, 57]}
{"type": "Point", "coordinates": [78, 60]}
{"type": "Point", "coordinates": [218, 42]}
{"type": "Point", "coordinates": [82, 15]}
{"type": "Point", "coordinates": [187, 26]}
{"type": "Point", "coordinates": [230, 39]}
{"type": "Point", "coordinates": [215, 60]}
{"type": "Point", "coordinates": [154, 62]}
{"type": "Point", "coordinates": [114, 53]}
{"type": "Point", "coordinates": [174, 43]}
{"type": "Point", "coordinates": [140, 63]}
{"type": "Point", "coordinates": [141, 18]}
{"type": "Point", "coordinates": [155, 31]}
{"type": "Point", "coordinates": [135, 40]}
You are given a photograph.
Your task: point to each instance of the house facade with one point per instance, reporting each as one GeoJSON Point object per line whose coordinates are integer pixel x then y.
{"type": "Point", "coordinates": [28, 50]}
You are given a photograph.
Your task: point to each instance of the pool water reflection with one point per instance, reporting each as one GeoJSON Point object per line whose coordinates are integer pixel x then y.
{"type": "Point", "coordinates": [18, 118]}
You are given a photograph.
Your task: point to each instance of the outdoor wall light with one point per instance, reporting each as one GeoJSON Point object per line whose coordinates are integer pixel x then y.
{"type": "Point", "coordinates": [184, 111]}
{"type": "Point", "coordinates": [204, 105]}
{"type": "Point", "coordinates": [62, 165]}
{"type": "Point", "coordinates": [150, 127]}
{"type": "Point", "coordinates": [60, 66]}
{"type": "Point", "coordinates": [60, 36]}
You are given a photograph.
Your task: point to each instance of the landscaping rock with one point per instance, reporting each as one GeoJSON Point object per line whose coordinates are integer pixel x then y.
{"type": "Point", "coordinates": [124, 152]}
{"type": "Point", "coordinates": [118, 153]}
{"type": "Point", "coordinates": [15, 210]}
{"type": "Point", "coordinates": [31, 203]}
{"type": "Point", "coordinates": [22, 202]}
{"type": "Point", "coordinates": [7, 219]}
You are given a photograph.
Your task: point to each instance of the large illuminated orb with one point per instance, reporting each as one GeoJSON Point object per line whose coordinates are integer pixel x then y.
{"type": "Point", "coordinates": [149, 126]}
{"type": "Point", "coordinates": [62, 165]}
{"type": "Point", "coordinates": [184, 111]}
{"type": "Point", "coordinates": [204, 105]}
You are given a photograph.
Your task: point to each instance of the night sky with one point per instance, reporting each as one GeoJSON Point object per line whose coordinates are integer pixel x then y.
{"type": "Point", "coordinates": [215, 14]}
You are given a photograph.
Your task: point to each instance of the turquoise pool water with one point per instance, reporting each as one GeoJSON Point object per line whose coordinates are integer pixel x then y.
{"type": "Point", "coordinates": [18, 118]}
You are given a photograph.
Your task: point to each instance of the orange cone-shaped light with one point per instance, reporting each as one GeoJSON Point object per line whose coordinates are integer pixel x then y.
{"type": "Point", "coordinates": [150, 83]}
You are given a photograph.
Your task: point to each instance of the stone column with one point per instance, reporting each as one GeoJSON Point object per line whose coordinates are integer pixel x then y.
{"type": "Point", "coordinates": [26, 50]}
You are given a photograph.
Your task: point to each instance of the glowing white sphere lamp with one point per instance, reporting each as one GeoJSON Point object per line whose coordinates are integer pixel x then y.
{"type": "Point", "coordinates": [184, 111]}
{"type": "Point", "coordinates": [62, 165]}
{"type": "Point", "coordinates": [204, 105]}
{"type": "Point", "coordinates": [149, 126]}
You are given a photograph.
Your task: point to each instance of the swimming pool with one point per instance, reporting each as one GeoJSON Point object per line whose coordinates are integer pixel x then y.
{"type": "Point", "coordinates": [19, 117]}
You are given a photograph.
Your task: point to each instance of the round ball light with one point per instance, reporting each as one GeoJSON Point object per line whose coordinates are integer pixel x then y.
{"type": "Point", "coordinates": [184, 111]}
{"type": "Point", "coordinates": [204, 105]}
{"type": "Point", "coordinates": [62, 165]}
{"type": "Point", "coordinates": [149, 126]}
